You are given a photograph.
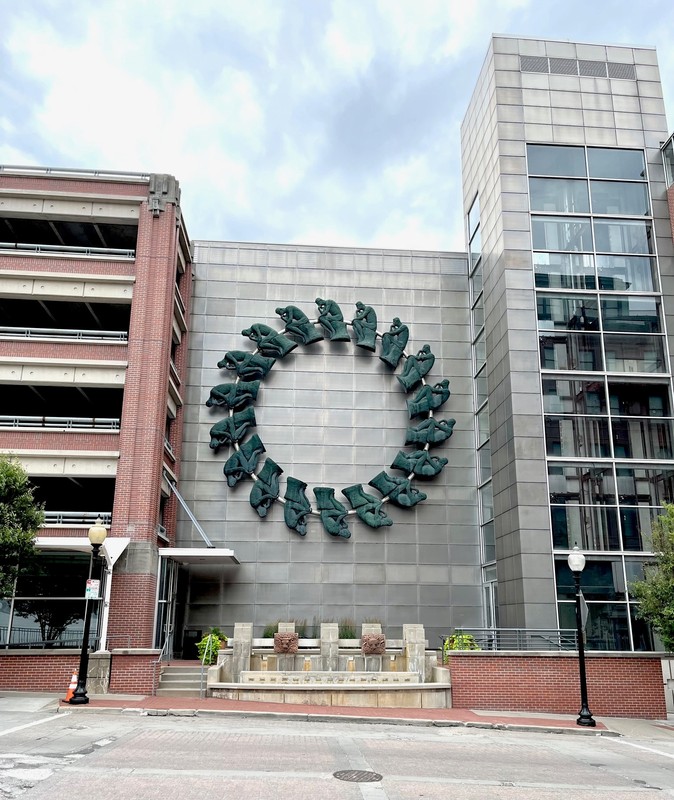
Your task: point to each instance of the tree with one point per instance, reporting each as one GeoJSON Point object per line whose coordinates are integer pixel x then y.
{"type": "Point", "coordinates": [20, 519]}
{"type": "Point", "coordinates": [656, 591]}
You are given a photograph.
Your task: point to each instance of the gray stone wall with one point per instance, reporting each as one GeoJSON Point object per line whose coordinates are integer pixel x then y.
{"type": "Point", "coordinates": [331, 414]}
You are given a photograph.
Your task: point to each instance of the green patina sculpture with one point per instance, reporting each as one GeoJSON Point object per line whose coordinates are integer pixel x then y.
{"type": "Point", "coordinates": [365, 326]}
{"type": "Point", "coordinates": [429, 398]}
{"type": "Point", "coordinates": [297, 508]}
{"type": "Point", "coordinates": [368, 507]}
{"type": "Point", "coordinates": [248, 366]}
{"type": "Point", "coordinates": [393, 343]}
{"type": "Point", "coordinates": [269, 341]}
{"type": "Point", "coordinates": [331, 318]}
{"type": "Point", "coordinates": [398, 490]}
{"type": "Point", "coordinates": [232, 429]}
{"type": "Point", "coordinates": [332, 512]}
{"type": "Point", "coordinates": [420, 463]}
{"type": "Point", "coordinates": [243, 461]}
{"type": "Point", "coordinates": [430, 431]}
{"type": "Point", "coordinates": [299, 325]}
{"type": "Point", "coordinates": [266, 488]}
{"type": "Point", "coordinates": [416, 367]}
{"type": "Point", "coordinates": [233, 395]}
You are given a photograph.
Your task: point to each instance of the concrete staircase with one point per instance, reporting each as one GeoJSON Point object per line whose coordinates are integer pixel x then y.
{"type": "Point", "coordinates": [180, 680]}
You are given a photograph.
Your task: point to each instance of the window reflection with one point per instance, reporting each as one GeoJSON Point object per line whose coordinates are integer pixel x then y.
{"type": "Point", "coordinates": [571, 312]}
{"type": "Point", "coordinates": [574, 396]}
{"type": "Point", "coordinates": [571, 351]}
{"type": "Point", "coordinates": [631, 314]}
{"type": "Point", "coordinates": [589, 484]}
{"type": "Point", "coordinates": [633, 353]}
{"type": "Point", "coordinates": [559, 195]}
{"type": "Point", "coordinates": [546, 159]}
{"type": "Point", "coordinates": [608, 162]}
{"type": "Point", "coordinates": [620, 273]}
{"type": "Point", "coordinates": [618, 197]}
{"type": "Point", "coordinates": [582, 437]}
{"type": "Point", "coordinates": [622, 236]}
{"type": "Point", "coordinates": [606, 627]}
{"type": "Point", "coordinates": [562, 233]}
{"type": "Point", "coordinates": [564, 271]}
{"type": "Point", "coordinates": [589, 527]}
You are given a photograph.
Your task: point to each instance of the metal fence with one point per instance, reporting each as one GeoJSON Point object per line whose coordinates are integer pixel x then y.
{"type": "Point", "coordinates": [519, 638]}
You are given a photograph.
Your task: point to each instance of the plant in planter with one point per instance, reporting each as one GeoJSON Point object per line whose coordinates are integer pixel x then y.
{"type": "Point", "coordinates": [458, 641]}
{"type": "Point", "coordinates": [208, 647]}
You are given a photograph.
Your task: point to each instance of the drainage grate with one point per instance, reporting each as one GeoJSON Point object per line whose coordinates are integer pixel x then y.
{"type": "Point", "coordinates": [357, 776]}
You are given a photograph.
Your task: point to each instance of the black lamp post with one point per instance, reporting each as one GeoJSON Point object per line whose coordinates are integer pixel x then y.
{"type": "Point", "coordinates": [576, 563]}
{"type": "Point", "coordinates": [97, 534]}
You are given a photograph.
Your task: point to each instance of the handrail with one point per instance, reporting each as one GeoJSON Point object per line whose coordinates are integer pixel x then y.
{"type": "Point", "coordinates": [76, 517]}
{"type": "Point", "coordinates": [21, 421]}
{"type": "Point", "coordinates": [157, 662]}
{"type": "Point", "coordinates": [12, 332]}
{"type": "Point", "coordinates": [117, 252]}
{"type": "Point", "coordinates": [520, 638]}
{"type": "Point", "coordinates": [20, 169]}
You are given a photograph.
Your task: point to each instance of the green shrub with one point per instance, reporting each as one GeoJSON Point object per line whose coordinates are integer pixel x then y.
{"type": "Point", "coordinates": [208, 647]}
{"type": "Point", "coordinates": [458, 641]}
{"type": "Point", "coordinates": [269, 630]}
{"type": "Point", "coordinates": [346, 629]}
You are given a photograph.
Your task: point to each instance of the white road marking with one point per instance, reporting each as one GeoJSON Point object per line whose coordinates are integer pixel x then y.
{"type": "Point", "coordinates": [640, 747]}
{"type": "Point", "coordinates": [37, 722]}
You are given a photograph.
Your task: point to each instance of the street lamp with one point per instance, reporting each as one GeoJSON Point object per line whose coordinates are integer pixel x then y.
{"type": "Point", "coordinates": [97, 534]}
{"type": "Point", "coordinates": [576, 563]}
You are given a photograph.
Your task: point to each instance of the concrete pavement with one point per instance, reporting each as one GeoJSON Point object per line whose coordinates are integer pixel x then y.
{"type": "Point", "coordinates": [453, 717]}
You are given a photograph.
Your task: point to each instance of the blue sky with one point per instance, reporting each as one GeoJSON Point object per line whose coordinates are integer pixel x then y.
{"type": "Point", "coordinates": [332, 122]}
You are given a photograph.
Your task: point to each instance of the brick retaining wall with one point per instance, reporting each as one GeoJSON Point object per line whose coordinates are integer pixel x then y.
{"type": "Point", "coordinates": [618, 686]}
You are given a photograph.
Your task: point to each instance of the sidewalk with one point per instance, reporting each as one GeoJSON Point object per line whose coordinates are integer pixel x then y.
{"type": "Point", "coordinates": [450, 717]}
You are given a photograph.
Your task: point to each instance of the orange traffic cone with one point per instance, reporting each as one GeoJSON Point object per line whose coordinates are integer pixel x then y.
{"type": "Point", "coordinates": [71, 688]}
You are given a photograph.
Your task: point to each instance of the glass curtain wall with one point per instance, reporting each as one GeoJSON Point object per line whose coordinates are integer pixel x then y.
{"type": "Point", "coordinates": [485, 495]}
{"type": "Point", "coordinates": [605, 380]}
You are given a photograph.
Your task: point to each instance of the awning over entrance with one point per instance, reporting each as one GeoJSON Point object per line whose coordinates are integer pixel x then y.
{"type": "Point", "coordinates": [199, 555]}
{"type": "Point", "coordinates": [112, 548]}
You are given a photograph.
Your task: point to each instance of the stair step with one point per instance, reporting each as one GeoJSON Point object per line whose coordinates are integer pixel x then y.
{"type": "Point", "coordinates": [178, 693]}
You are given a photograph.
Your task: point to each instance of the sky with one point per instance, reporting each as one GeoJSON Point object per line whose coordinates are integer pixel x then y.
{"type": "Point", "coordinates": [323, 122]}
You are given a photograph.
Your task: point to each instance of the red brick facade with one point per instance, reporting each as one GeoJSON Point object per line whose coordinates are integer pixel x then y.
{"type": "Point", "coordinates": [629, 686]}
{"type": "Point", "coordinates": [144, 377]}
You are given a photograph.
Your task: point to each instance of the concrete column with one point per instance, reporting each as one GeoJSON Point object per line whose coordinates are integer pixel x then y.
{"type": "Point", "coordinates": [414, 647]}
{"type": "Point", "coordinates": [329, 646]}
{"type": "Point", "coordinates": [242, 646]}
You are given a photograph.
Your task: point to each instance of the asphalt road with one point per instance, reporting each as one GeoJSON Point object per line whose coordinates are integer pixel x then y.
{"type": "Point", "coordinates": [72, 755]}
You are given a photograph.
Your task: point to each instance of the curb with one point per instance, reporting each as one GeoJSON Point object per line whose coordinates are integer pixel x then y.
{"type": "Point", "coordinates": [305, 717]}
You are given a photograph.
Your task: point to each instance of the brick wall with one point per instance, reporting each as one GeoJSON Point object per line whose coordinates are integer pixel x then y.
{"type": "Point", "coordinates": [60, 440]}
{"type": "Point", "coordinates": [38, 673]}
{"type": "Point", "coordinates": [628, 686]}
{"type": "Point", "coordinates": [70, 350]}
{"type": "Point", "coordinates": [132, 673]}
{"type": "Point", "coordinates": [27, 262]}
{"type": "Point", "coordinates": [132, 607]}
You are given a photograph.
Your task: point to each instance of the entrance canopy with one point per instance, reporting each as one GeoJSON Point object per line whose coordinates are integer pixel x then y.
{"type": "Point", "coordinates": [112, 548]}
{"type": "Point", "coordinates": [199, 555]}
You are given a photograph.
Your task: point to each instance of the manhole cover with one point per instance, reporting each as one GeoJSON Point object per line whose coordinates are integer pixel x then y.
{"type": "Point", "coordinates": [357, 776]}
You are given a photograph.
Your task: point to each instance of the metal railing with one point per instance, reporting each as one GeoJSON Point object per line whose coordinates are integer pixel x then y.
{"type": "Point", "coordinates": [520, 638]}
{"type": "Point", "coordinates": [28, 169]}
{"type": "Point", "coordinates": [20, 421]}
{"type": "Point", "coordinates": [10, 332]}
{"type": "Point", "coordinates": [52, 249]}
{"type": "Point", "coordinates": [30, 638]}
{"type": "Point", "coordinates": [76, 517]}
{"type": "Point", "coordinates": [206, 661]}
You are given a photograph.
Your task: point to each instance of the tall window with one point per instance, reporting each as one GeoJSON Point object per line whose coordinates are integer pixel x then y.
{"type": "Point", "coordinates": [609, 430]}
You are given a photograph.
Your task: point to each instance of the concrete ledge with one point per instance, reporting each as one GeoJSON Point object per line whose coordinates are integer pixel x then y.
{"type": "Point", "coordinates": [406, 695]}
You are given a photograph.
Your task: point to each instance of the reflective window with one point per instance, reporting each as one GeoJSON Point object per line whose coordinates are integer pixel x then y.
{"type": "Point", "coordinates": [581, 437]}
{"type": "Point", "coordinates": [562, 233]}
{"type": "Point", "coordinates": [651, 486]}
{"type": "Point", "coordinates": [481, 387]}
{"type": "Point", "coordinates": [607, 626]}
{"type": "Point", "coordinates": [484, 462]}
{"type": "Point", "coordinates": [631, 314]}
{"type": "Point", "coordinates": [585, 484]}
{"type": "Point", "coordinates": [639, 399]}
{"type": "Point", "coordinates": [546, 159]}
{"type": "Point", "coordinates": [480, 350]}
{"type": "Point", "coordinates": [629, 353]}
{"type": "Point", "coordinates": [568, 312]}
{"type": "Point", "coordinates": [475, 248]}
{"type": "Point", "coordinates": [563, 395]}
{"type": "Point", "coordinates": [602, 579]}
{"type": "Point", "coordinates": [668, 158]}
{"type": "Point", "coordinates": [486, 502]}
{"type": "Point", "coordinates": [558, 194]}
{"type": "Point", "coordinates": [589, 527]}
{"type": "Point", "coordinates": [617, 197]}
{"type": "Point", "coordinates": [482, 425]}
{"type": "Point", "coordinates": [488, 543]}
{"type": "Point", "coordinates": [476, 282]}
{"type": "Point", "coordinates": [637, 527]}
{"type": "Point", "coordinates": [620, 273]}
{"type": "Point", "coordinates": [609, 162]}
{"type": "Point", "coordinates": [642, 438]}
{"type": "Point", "coordinates": [564, 271]}
{"type": "Point", "coordinates": [643, 637]}
{"type": "Point", "coordinates": [622, 236]}
{"type": "Point", "coordinates": [571, 351]}
{"type": "Point", "coordinates": [473, 217]}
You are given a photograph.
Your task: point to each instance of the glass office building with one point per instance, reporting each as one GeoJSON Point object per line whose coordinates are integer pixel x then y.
{"type": "Point", "coordinates": [571, 262]}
